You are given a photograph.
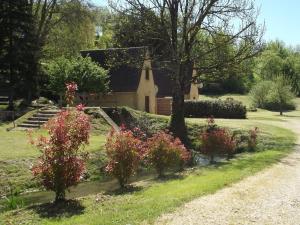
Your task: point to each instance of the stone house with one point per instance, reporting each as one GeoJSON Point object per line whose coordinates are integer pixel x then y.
{"type": "Point", "coordinates": [134, 81]}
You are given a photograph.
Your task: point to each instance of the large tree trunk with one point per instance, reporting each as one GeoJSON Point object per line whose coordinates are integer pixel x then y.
{"type": "Point", "coordinates": [177, 123]}
{"type": "Point", "coordinates": [11, 99]}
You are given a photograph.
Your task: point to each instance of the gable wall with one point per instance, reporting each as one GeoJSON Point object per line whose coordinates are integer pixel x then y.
{"type": "Point", "coordinates": [146, 88]}
{"type": "Point", "coordinates": [194, 91]}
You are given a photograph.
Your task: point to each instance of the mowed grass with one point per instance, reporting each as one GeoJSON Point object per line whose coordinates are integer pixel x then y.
{"type": "Point", "coordinates": [15, 144]}
{"type": "Point", "coordinates": [17, 156]}
{"type": "Point", "coordinates": [148, 202]}
{"type": "Point", "coordinates": [98, 204]}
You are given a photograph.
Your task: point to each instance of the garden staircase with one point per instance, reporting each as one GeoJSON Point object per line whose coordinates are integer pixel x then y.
{"type": "Point", "coordinates": [39, 118]}
{"type": "Point", "coordinates": [4, 100]}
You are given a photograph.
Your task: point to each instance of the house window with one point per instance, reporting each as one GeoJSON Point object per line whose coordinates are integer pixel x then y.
{"type": "Point", "coordinates": [147, 104]}
{"type": "Point", "coordinates": [147, 73]}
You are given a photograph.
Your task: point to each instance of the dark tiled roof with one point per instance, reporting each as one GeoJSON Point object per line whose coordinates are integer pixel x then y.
{"type": "Point", "coordinates": [125, 67]}
{"type": "Point", "coordinates": [124, 64]}
{"type": "Point", "coordinates": [163, 79]}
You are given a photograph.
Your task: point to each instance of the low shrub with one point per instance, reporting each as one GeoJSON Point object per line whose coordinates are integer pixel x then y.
{"type": "Point", "coordinates": [228, 108]}
{"type": "Point", "coordinates": [217, 141]}
{"type": "Point", "coordinates": [274, 106]}
{"type": "Point", "coordinates": [259, 93]}
{"type": "Point", "coordinates": [61, 164]}
{"type": "Point", "coordinates": [164, 151]}
{"type": "Point", "coordinates": [133, 119]}
{"type": "Point", "coordinates": [124, 153]}
{"type": "Point", "coordinates": [273, 95]}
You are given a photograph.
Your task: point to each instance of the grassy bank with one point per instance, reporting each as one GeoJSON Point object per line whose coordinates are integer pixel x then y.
{"type": "Point", "coordinates": [153, 197]}
{"type": "Point", "coordinates": [17, 155]}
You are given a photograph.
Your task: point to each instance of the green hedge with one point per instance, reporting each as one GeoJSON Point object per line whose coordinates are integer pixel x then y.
{"type": "Point", "coordinates": [228, 108]}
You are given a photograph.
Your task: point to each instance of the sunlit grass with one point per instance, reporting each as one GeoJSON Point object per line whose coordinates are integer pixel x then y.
{"type": "Point", "coordinates": [148, 203]}
{"type": "Point", "coordinates": [156, 197]}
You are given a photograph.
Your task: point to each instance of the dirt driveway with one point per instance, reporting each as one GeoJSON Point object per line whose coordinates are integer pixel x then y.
{"type": "Point", "coordinates": [270, 197]}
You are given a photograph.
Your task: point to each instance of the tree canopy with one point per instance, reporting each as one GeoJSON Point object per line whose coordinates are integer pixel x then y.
{"type": "Point", "coordinates": [182, 22]}
{"type": "Point", "coordinates": [277, 59]}
{"type": "Point", "coordinates": [17, 48]}
{"type": "Point", "coordinates": [74, 30]}
{"type": "Point", "coordinates": [88, 75]}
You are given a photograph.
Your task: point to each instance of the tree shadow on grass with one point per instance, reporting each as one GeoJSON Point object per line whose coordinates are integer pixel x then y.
{"type": "Point", "coordinates": [169, 177]}
{"type": "Point", "coordinates": [287, 116]}
{"type": "Point", "coordinates": [66, 208]}
{"type": "Point", "coordinates": [129, 189]}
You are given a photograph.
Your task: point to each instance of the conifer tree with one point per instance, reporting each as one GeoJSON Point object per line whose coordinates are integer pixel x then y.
{"type": "Point", "coordinates": [16, 44]}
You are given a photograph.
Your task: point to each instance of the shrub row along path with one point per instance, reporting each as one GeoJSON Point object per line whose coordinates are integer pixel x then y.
{"type": "Point", "coordinates": [270, 197]}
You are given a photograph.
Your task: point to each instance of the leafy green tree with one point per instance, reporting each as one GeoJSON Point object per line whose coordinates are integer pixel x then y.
{"type": "Point", "coordinates": [277, 59]}
{"type": "Point", "coordinates": [105, 21]}
{"type": "Point", "coordinates": [180, 22]}
{"type": "Point", "coordinates": [75, 30]}
{"type": "Point", "coordinates": [88, 75]}
{"type": "Point", "coordinates": [16, 46]}
{"type": "Point", "coordinates": [141, 28]}
{"type": "Point", "coordinates": [238, 77]}
{"type": "Point", "coordinates": [274, 95]}
{"type": "Point", "coordinates": [281, 93]}
{"type": "Point", "coordinates": [259, 93]}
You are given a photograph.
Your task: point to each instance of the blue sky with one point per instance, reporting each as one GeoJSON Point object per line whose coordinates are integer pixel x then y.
{"type": "Point", "coordinates": [282, 19]}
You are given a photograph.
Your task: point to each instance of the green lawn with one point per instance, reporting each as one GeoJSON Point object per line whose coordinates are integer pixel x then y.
{"type": "Point", "coordinates": [17, 155]}
{"type": "Point", "coordinates": [99, 204]}
{"type": "Point", "coordinates": [148, 202]}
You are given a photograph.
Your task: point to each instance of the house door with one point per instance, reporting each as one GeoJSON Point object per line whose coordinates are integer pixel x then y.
{"type": "Point", "coordinates": [147, 104]}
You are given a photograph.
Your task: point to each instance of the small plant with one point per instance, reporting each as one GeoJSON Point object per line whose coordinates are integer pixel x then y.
{"type": "Point", "coordinates": [61, 165]}
{"type": "Point", "coordinates": [70, 92]}
{"type": "Point", "coordinates": [165, 151]}
{"type": "Point", "coordinates": [217, 141]}
{"type": "Point", "coordinates": [252, 140]}
{"type": "Point", "coordinates": [124, 152]}
{"type": "Point", "coordinates": [13, 200]}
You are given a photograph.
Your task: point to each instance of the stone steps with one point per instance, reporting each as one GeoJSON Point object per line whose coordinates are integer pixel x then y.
{"type": "Point", "coordinates": [4, 100]}
{"type": "Point", "coordinates": [28, 126]}
{"type": "Point", "coordinates": [39, 118]}
{"type": "Point", "coordinates": [44, 115]}
{"type": "Point", "coordinates": [37, 122]}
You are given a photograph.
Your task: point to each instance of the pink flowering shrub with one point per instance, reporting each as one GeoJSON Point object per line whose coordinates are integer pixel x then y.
{"type": "Point", "coordinates": [165, 151]}
{"type": "Point", "coordinates": [61, 165]}
{"type": "Point", "coordinates": [124, 152]}
{"type": "Point", "coordinates": [70, 92]}
{"type": "Point", "coordinates": [217, 141]}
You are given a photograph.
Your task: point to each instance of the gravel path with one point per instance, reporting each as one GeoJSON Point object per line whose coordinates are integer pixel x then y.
{"type": "Point", "coordinates": [270, 197]}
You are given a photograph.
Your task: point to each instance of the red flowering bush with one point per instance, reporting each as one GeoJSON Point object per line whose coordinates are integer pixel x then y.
{"type": "Point", "coordinates": [217, 141]}
{"type": "Point", "coordinates": [165, 151]}
{"type": "Point", "coordinates": [70, 92]}
{"type": "Point", "coordinates": [61, 165]}
{"type": "Point", "coordinates": [252, 140]}
{"type": "Point", "coordinates": [124, 152]}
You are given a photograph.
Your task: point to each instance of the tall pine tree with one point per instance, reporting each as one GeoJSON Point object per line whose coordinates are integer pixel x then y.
{"type": "Point", "coordinates": [17, 59]}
